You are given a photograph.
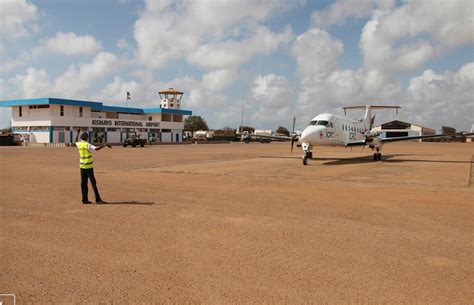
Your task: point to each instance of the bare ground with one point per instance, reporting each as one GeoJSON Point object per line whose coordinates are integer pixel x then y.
{"type": "Point", "coordinates": [237, 223]}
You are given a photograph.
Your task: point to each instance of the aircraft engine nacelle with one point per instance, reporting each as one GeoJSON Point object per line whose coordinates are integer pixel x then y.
{"type": "Point", "coordinates": [373, 141]}
{"type": "Point", "coordinates": [371, 136]}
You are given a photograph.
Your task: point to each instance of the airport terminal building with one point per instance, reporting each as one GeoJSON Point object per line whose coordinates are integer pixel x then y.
{"type": "Point", "coordinates": [53, 120]}
{"type": "Point", "coordinates": [402, 129]}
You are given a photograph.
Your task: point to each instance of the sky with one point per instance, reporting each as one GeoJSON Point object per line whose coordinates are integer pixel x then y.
{"type": "Point", "coordinates": [279, 59]}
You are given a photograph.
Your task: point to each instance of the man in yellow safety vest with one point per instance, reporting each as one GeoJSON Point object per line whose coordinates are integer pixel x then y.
{"type": "Point", "coordinates": [87, 167]}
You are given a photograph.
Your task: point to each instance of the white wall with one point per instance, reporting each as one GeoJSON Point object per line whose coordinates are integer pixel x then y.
{"type": "Point", "coordinates": [101, 115]}
{"type": "Point", "coordinates": [126, 116]}
{"type": "Point", "coordinates": [39, 137]}
{"type": "Point", "coordinates": [165, 137]}
{"type": "Point", "coordinates": [113, 136]}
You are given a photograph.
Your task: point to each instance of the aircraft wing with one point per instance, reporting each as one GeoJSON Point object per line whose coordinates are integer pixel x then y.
{"type": "Point", "coordinates": [451, 135]}
{"type": "Point", "coordinates": [267, 136]}
{"type": "Point", "coordinates": [356, 143]}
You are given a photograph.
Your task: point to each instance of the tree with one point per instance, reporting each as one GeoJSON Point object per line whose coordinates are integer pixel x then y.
{"type": "Point", "coordinates": [283, 130]}
{"type": "Point", "coordinates": [227, 131]}
{"type": "Point", "coordinates": [195, 123]}
{"type": "Point", "coordinates": [447, 129]}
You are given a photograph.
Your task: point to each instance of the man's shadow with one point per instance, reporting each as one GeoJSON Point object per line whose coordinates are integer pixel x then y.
{"type": "Point", "coordinates": [133, 202]}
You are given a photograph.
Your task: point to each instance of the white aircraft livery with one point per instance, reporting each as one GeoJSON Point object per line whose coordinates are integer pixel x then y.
{"type": "Point", "coordinates": [333, 130]}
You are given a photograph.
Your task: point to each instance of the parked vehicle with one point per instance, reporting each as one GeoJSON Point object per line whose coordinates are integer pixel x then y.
{"type": "Point", "coordinates": [134, 141]}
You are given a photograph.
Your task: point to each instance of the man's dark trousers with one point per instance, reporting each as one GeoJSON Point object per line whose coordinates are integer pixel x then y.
{"type": "Point", "coordinates": [85, 174]}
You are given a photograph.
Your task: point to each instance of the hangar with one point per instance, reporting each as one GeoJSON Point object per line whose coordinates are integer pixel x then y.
{"type": "Point", "coordinates": [54, 120]}
{"type": "Point", "coordinates": [398, 128]}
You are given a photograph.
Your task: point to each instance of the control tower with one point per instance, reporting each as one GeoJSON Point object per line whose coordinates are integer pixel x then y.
{"type": "Point", "coordinates": [170, 98]}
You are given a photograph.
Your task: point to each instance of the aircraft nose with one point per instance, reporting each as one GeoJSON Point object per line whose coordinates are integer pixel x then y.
{"type": "Point", "coordinates": [312, 134]}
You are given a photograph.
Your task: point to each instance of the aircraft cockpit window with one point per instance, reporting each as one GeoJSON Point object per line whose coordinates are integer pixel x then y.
{"type": "Point", "coordinates": [319, 122]}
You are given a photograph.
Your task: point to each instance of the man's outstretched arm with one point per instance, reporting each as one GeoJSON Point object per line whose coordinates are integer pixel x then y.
{"type": "Point", "coordinates": [102, 146]}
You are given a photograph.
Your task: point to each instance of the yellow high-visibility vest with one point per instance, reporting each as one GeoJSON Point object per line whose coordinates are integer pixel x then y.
{"type": "Point", "coordinates": [85, 156]}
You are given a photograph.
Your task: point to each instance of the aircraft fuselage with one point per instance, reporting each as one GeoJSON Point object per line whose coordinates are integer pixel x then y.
{"type": "Point", "coordinates": [333, 130]}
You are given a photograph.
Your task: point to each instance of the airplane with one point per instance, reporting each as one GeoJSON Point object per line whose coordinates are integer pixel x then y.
{"type": "Point", "coordinates": [333, 130]}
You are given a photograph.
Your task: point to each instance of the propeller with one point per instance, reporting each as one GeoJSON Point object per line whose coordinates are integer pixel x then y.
{"type": "Point", "coordinates": [293, 135]}
{"type": "Point", "coordinates": [372, 120]}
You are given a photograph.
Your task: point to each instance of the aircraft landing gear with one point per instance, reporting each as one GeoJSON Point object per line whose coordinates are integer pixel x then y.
{"type": "Point", "coordinates": [307, 154]}
{"type": "Point", "coordinates": [378, 155]}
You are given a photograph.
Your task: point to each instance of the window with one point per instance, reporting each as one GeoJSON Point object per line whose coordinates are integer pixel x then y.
{"type": "Point", "coordinates": [319, 122]}
{"type": "Point", "coordinates": [171, 105]}
{"type": "Point", "coordinates": [80, 112]}
{"type": "Point", "coordinates": [20, 111]}
{"type": "Point", "coordinates": [61, 110]}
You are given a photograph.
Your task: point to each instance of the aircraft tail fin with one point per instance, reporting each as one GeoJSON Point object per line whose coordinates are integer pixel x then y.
{"type": "Point", "coordinates": [368, 111]}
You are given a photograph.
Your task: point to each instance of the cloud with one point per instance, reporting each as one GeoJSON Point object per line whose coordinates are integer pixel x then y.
{"type": "Point", "coordinates": [70, 44]}
{"type": "Point", "coordinates": [7, 65]}
{"type": "Point", "coordinates": [325, 87]}
{"type": "Point", "coordinates": [217, 80]}
{"type": "Point", "coordinates": [316, 52]}
{"type": "Point", "coordinates": [272, 101]}
{"type": "Point", "coordinates": [167, 31]}
{"type": "Point", "coordinates": [272, 91]}
{"type": "Point", "coordinates": [435, 100]}
{"type": "Point", "coordinates": [122, 44]}
{"type": "Point", "coordinates": [17, 18]}
{"type": "Point", "coordinates": [116, 91]}
{"type": "Point", "coordinates": [76, 80]}
{"type": "Point", "coordinates": [339, 11]}
{"type": "Point", "coordinates": [33, 84]}
{"type": "Point", "coordinates": [231, 54]}
{"type": "Point", "coordinates": [406, 37]}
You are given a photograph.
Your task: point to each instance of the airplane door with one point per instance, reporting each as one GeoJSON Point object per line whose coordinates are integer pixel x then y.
{"type": "Point", "coordinates": [336, 130]}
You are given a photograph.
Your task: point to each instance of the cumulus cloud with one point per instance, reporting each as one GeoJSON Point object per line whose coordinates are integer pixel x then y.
{"type": "Point", "coordinates": [325, 87]}
{"type": "Point", "coordinates": [404, 38]}
{"type": "Point", "coordinates": [201, 98]}
{"type": "Point", "coordinates": [316, 52]}
{"type": "Point", "coordinates": [339, 11]}
{"type": "Point", "coordinates": [434, 99]}
{"type": "Point", "coordinates": [17, 18]}
{"type": "Point", "coordinates": [71, 84]}
{"type": "Point", "coordinates": [70, 44]}
{"type": "Point", "coordinates": [75, 80]}
{"type": "Point", "coordinates": [230, 54]}
{"type": "Point", "coordinates": [33, 84]}
{"type": "Point", "coordinates": [272, 100]}
{"type": "Point", "coordinates": [7, 65]}
{"type": "Point", "coordinates": [116, 91]}
{"type": "Point", "coordinates": [272, 91]}
{"type": "Point", "coordinates": [167, 31]}
{"type": "Point", "coordinates": [217, 80]}
{"type": "Point", "coordinates": [122, 44]}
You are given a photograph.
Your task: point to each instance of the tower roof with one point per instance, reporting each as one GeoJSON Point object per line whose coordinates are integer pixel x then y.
{"type": "Point", "coordinates": [170, 91]}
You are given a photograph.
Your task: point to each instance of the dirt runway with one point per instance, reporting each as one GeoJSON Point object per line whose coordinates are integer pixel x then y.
{"type": "Point", "coordinates": [240, 223]}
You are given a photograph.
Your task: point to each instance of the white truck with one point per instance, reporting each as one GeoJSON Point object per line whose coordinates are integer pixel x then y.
{"type": "Point", "coordinates": [203, 135]}
{"type": "Point", "coordinates": [258, 136]}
